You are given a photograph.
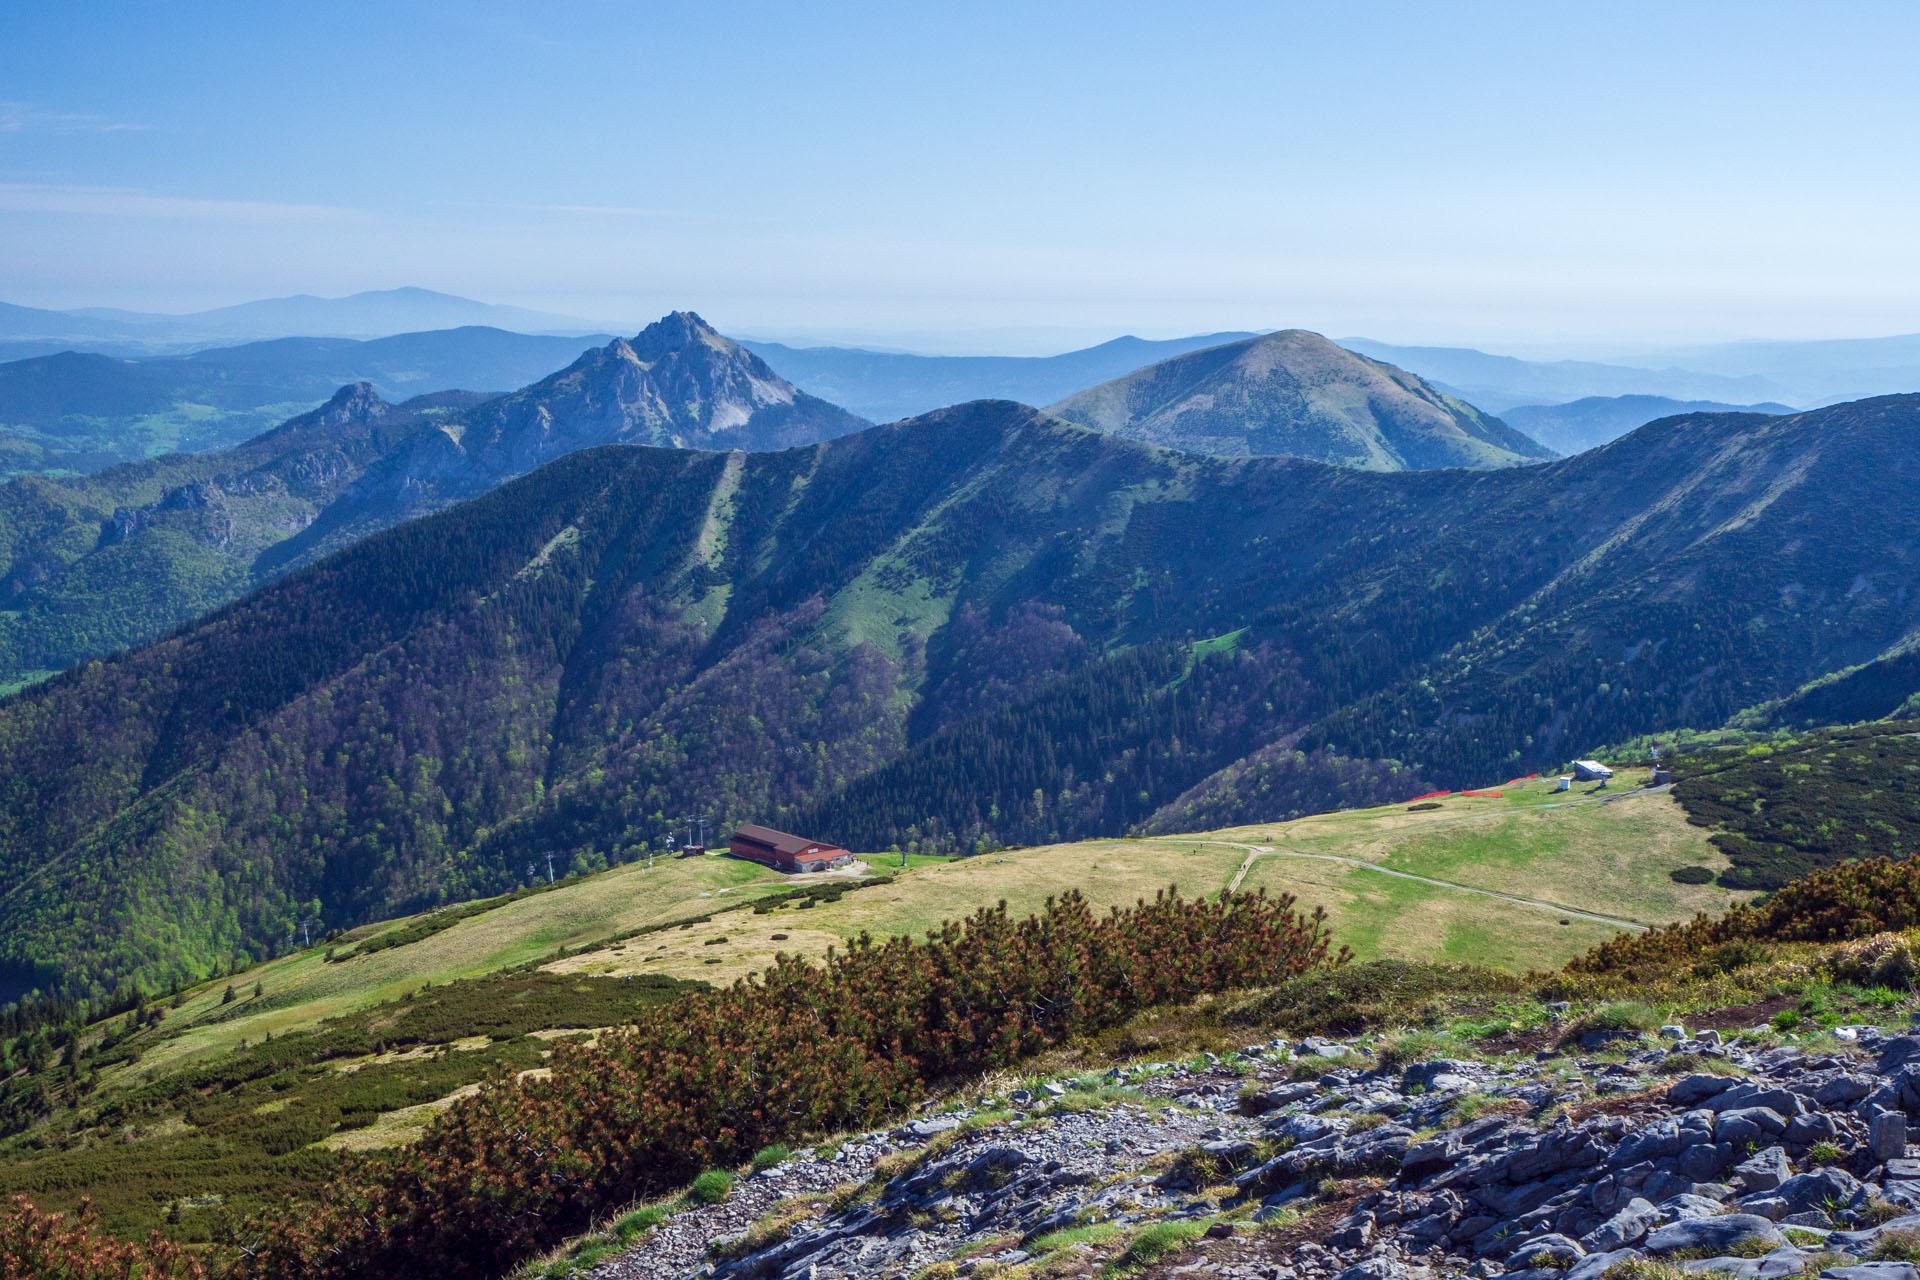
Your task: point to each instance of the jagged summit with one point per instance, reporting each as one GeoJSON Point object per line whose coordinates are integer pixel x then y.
{"type": "Point", "coordinates": [355, 402]}
{"type": "Point", "coordinates": [678, 382]}
{"type": "Point", "coordinates": [356, 464]}
{"type": "Point", "coordinates": [676, 331]}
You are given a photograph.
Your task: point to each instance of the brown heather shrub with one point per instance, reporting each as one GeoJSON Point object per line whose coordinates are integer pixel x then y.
{"type": "Point", "coordinates": [53, 1246]}
{"type": "Point", "coordinates": [1850, 901]}
{"type": "Point", "coordinates": [706, 1082]}
{"type": "Point", "coordinates": [1885, 958]}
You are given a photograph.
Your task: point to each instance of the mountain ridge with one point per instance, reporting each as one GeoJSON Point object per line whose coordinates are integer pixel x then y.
{"type": "Point", "coordinates": [98, 563]}
{"type": "Point", "coordinates": [1588, 423]}
{"type": "Point", "coordinates": [371, 313]}
{"type": "Point", "coordinates": [83, 411]}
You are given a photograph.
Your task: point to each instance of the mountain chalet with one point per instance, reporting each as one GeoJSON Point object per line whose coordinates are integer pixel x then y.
{"type": "Point", "coordinates": [784, 852]}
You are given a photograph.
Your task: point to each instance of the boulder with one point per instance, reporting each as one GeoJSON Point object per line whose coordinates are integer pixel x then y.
{"type": "Point", "coordinates": [1819, 1189]}
{"type": "Point", "coordinates": [1705, 1160]}
{"type": "Point", "coordinates": [1767, 1205]}
{"type": "Point", "coordinates": [1595, 1265]}
{"type": "Point", "coordinates": [1777, 1265]}
{"type": "Point", "coordinates": [1887, 1136]}
{"type": "Point", "coordinates": [1551, 1250]}
{"type": "Point", "coordinates": [1843, 1090]}
{"type": "Point", "coordinates": [1748, 1124]}
{"type": "Point", "coordinates": [1862, 1241]}
{"type": "Point", "coordinates": [1353, 1233]}
{"type": "Point", "coordinates": [1424, 1074]}
{"type": "Point", "coordinates": [1782, 1102]}
{"type": "Point", "coordinates": [1688, 1090]}
{"type": "Point", "coordinates": [1629, 1226]}
{"type": "Point", "coordinates": [1714, 1235]}
{"type": "Point", "coordinates": [1690, 1206]}
{"type": "Point", "coordinates": [1816, 1126]}
{"type": "Point", "coordinates": [1762, 1172]}
{"type": "Point", "coordinates": [1383, 1267]}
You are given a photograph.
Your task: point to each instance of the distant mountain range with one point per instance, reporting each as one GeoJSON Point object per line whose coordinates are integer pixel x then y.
{"type": "Point", "coordinates": [1815, 372]}
{"type": "Point", "coordinates": [1295, 393]}
{"type": "Point", "coordinates": [81, 411]}
{"type": "Point", "coordinates": [97, 563]}
{"type": "Point", "coordinates": [32, 331]}
{"type": "Point", "coordinates": [1592, 422]}
{"type": "Point", "coordinates": [1498, 383]}
{"type": "Point", "coordinates": [94, 564]}
{"type": "Point", "coordinates": [983, 624]}
{"type": "Point", "coordinates": [885, 386]}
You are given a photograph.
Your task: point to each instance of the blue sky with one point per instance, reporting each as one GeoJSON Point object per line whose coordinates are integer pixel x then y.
{"type": "Point", "coordinates": [1014, 176]}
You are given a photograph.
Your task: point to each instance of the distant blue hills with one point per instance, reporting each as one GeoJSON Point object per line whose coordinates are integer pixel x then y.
{"type": "Point", "coordinates": [144, 383]}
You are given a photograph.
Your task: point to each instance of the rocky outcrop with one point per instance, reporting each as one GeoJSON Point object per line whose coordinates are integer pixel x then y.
{"type": "Point", "coordinates": [1757, 1163]}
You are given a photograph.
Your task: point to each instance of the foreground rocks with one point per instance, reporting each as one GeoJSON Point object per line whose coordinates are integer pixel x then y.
{"type": "Point", "coordinates": [1751, 1163]}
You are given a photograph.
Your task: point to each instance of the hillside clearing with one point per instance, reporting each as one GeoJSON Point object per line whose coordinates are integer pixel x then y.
{"type": "Point", "coordinates": [1606, 854]}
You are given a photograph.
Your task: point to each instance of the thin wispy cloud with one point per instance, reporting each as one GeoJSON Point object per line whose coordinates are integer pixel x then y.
{"type": "Point", "coordinates": [35, 197]}
{"type": "Point", "coordinates": [26, 117]}
{"type": "Point", "coordinates": [585, 210]}
{"type": "Point", "coordinates": [615, 211]}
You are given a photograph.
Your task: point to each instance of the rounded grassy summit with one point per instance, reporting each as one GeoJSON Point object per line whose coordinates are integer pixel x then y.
{"type": "Point", "coordinates": [1295, 393]}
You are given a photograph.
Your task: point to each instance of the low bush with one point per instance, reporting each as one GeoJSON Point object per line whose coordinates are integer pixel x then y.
{"type": "Point", "coordinates": [54, 1246]}
{"type": "Point", "coordinates": [1901, 1245]}
{"type": "Point", "coordinates": [1855, 900]}
{"type": "Point", "coordinates": [1620, 1017]}
{"type": "Point", "coordinates": [1352, 998]}
{"type": "Point", "coordinates": [711, 1187]}
{"type": "Point", "coordinates": [1155, 1242]}
{"type": "Point", "coordinates": [799, 1050]}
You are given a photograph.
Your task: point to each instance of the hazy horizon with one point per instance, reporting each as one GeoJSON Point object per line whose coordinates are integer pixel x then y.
{"type": "Point", "coordinates": [987, 178]}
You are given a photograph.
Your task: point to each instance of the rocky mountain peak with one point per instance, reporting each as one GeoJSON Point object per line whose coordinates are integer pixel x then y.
{"type": "Point", "coordinates": [675, 333]}
{"type": "Point", "coordinates": [353, 403]}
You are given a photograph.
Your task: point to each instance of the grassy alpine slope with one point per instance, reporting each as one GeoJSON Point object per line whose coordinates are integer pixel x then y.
{"type": "Point", "coordinates": [983, 627]}
{"type": "Point", "coordinates": [215, 1104]}
{"type": "Point", "coordinates": [358, 1081]}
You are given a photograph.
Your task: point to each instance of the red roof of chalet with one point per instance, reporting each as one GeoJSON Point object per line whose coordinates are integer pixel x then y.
{"type": "Point", "coordinates": [781, 842]}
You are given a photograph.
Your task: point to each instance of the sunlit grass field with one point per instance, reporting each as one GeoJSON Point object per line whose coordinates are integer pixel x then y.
{"type": "Point", "coordinates": [1573, 867]}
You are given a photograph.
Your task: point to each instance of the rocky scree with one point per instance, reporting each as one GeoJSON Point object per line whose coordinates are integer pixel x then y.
{"type": "Point", "coordinates": [1768, 1163]}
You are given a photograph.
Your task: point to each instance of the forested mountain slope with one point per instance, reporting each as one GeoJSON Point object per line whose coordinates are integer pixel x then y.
{"type": "Point", "coordinates": [97, 563]}
{"type": "Point", "coordinates": [1295, 393]}
{"type": "Point", "coordinates": [979, 625]}
{"type": "Point", "coordinates": [80, 411]}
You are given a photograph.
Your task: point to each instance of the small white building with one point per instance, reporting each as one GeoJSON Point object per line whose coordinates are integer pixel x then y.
{"type": "Point", "coordinates": [1590, 771]}
{"type": "Point", "coordinates": [1565, 783]}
